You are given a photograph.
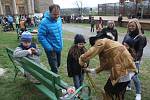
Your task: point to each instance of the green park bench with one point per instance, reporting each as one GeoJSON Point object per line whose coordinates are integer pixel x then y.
{"type": "Point", "coordinates": [50, 83]}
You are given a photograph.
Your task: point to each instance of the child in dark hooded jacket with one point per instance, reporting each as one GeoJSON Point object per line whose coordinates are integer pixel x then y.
{"type": "Point", "coordinates": [73, 67]}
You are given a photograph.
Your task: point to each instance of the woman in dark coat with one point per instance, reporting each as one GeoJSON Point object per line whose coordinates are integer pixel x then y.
{"type": "Point", "coordinates": [135, 34]}
{"type": "Point", "coordinates": [110, 30]}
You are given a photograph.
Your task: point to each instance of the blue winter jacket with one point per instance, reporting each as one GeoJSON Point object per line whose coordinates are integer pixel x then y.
{"type": "Point", "coordinates": [10, 19]}
{"type": "Point", "coordinates": [50, 33]}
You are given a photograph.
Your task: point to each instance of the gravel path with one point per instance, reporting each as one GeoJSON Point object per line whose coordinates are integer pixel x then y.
{"type": "Point", "coordinates": [78, 29]}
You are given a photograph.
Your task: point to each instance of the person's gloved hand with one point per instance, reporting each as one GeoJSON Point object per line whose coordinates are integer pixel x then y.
{"type": "Point", "coordinates": [131, 74]}
{"type": "Point", "coordinates": [137, 62]}
{"type": "Point", "coordinates": [81, 62]}
{"type": "Point", "coordinates": [92, 71]}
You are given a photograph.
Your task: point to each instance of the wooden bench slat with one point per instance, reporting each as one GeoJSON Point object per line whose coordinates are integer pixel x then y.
{"type": "Point", "coordinates": [47, 78]}
{"type": "Point", "coordinates": [42, 74]}
{"type": "Point", "coordinates": [50, 84]}
{"type": "Point", "coordinates": [48, 74]}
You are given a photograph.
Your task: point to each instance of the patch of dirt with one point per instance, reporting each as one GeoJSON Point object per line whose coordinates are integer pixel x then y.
{"type": "Point", "coordinates": [2, 71]}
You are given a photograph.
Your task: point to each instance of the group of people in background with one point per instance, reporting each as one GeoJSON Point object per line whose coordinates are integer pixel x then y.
{"type": "Point", "coordinates": [122, 60]}
{"type": "Point", "coordinates": [99, 24]}
{"type": "Point", "coordinates": [20, 21]}
{"type": "Point", "coordinates": [7, 23]}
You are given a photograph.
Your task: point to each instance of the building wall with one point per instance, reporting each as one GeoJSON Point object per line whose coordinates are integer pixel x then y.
{"type": "Point", "coordinates": [24, 6]}
{"type": "Point", "coordinates": [8, 7]}
{"type": "Point", "coordinates": [42, 5]}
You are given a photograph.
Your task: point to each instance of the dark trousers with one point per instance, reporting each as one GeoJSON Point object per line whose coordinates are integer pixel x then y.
{"type": "Point", "coordinates": [54, 59]}
{"type": "Point", "coordinates": [117, 91]}
{"type": "Point", "coordinates": [17, 28]}
{"type": "Point", "coordinates": [120, 23]}
{"type": "Point", "coordinates": [11, 26]}
{"type": "Point", "coordinates": [92, 28]}
{"type": "Point", "coordinates": [78, 80]}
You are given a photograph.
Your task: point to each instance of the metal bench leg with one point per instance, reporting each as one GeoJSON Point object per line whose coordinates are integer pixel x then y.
{"type": "Point", "coordinates": [16, 73]}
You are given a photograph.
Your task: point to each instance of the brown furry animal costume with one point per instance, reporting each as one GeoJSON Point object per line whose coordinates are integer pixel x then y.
{"type": "Point", "coordinates": [116, 59]}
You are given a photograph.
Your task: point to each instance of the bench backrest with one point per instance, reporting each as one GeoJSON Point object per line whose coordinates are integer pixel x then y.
{"type": "Point", "coordinates": [46, 77]}
{"type": "Point", "coordinates": [14, 61]}
{"type": "Point", "coordinates": [50, 81]}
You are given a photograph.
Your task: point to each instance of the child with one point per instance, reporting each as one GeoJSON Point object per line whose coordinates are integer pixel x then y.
{"type": "Point", "coordinates": [27, 49]}
{"type": "Point", "coordinates": [73, 67]}
{"type": "Point", "coordinates": [22, 26]}
{"type": "Point", "coordinates": [99, 25]}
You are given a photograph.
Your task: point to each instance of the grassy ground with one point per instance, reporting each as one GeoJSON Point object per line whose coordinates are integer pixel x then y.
{"type": "Point", "coordinates": [21, 89]}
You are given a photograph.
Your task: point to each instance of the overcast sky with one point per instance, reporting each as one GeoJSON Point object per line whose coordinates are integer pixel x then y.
{"type": "Point", "coordinates": [86, 3]}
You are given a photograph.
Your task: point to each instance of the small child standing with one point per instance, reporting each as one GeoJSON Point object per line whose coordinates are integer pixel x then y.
{"type": "Point", "coordinates": [73, 67]}
{"type": "Point", "coordinates": [27, 49]}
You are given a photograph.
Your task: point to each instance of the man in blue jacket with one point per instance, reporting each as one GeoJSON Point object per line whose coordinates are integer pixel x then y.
{"type": "Point", "coordinates": [50, 36]}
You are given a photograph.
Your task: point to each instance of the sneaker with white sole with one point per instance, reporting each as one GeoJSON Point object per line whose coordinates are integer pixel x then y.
{"type": "Point", "coordinates": [138, 97]}
{"type": "Point", "coordinates": [128, 88]}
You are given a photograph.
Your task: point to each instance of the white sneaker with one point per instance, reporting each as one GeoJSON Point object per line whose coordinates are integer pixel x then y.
{"type": "Point", "coordinates": [128, 88]}
{"type": "Point", "coordinates": [138, 97]}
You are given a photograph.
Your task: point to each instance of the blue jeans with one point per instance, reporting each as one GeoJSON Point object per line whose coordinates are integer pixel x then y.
{"type": "Point", "coordinates": [78, 80]}
{"type": "Point", "coordinates": [54, 59]}
{"type": "Point", "coordinates": [136, 80]}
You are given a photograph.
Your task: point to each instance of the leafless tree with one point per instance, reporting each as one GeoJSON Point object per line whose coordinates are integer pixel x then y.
{"type": "Point", "coordinates": [79, 5]}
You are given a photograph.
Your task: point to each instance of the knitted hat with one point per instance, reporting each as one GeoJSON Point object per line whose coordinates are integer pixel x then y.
{"type": "Point", "coordinates": [79, 39]}
{"type": "Point", "coordinates": [26, 36]}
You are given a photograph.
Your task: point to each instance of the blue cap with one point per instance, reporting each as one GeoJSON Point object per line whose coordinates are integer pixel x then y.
{"type": "Point", "coordinates": [26, 36]}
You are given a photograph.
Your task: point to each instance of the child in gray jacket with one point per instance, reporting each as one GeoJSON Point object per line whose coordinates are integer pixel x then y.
{"type": "Point", "coordinates": [28, 49]}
